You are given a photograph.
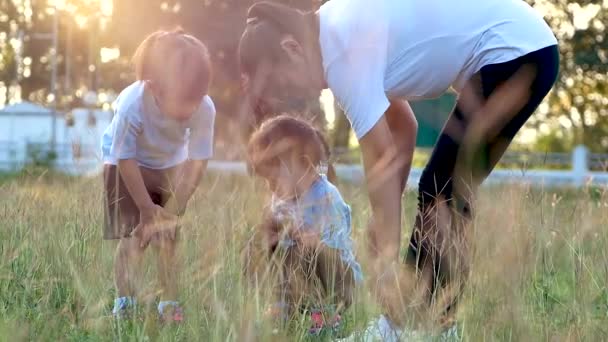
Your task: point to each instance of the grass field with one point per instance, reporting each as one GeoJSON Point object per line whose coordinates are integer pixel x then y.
{"type": "Point", "coordinates": [540, 268]}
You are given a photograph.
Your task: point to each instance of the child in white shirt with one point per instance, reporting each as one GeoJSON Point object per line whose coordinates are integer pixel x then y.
{"type": "Point", "coordinates": [155, 153]}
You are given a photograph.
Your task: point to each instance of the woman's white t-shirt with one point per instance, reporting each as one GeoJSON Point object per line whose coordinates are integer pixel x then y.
{"type": "Point", "coordinates": [140, 131]}
{"type": "Point", "coordinates": [418, 49]}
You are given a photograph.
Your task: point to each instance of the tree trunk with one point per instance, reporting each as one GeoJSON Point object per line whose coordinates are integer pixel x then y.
{"type": "Point", "coordinates": [341, 132]}
{"type": "Point", "coordinates": [583, 131]}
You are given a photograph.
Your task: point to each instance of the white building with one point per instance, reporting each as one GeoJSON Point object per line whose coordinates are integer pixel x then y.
{"type": "Point", "coordinates": [85, 130]}
{"type": "Point", "coordinates": [26, 127]}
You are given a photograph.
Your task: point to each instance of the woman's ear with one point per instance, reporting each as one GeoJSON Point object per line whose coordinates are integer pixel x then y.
{"type": "Point", "coordinates": [292, 48]}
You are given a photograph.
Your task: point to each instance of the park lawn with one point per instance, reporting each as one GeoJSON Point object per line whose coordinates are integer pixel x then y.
{"type": "Point", "coordinates": [540, 268]}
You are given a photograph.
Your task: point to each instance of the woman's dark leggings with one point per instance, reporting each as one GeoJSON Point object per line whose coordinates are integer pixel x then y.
{"type": "Point", "coordinates": [436, 179]}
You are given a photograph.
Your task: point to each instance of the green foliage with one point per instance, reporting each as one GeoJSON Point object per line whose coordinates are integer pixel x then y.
{"type": "Point", "coordinates": [578, 107]}
{"type": "Point", "coordinates": [40, 156]}
{"type": "Point", "coordinates": [556, 141]}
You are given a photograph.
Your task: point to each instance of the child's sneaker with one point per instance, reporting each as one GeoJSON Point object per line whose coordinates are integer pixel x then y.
{"type": "Point", "coordinates": [170, 312]}
{"type": "Point", "coordinates": [450, 335]}
{"type": "Point", "coordinates": [123, 307]}
{"type": "Point", "coordinates": [381, 330]}
{"type": "Point", "coordinates": [320, 322]}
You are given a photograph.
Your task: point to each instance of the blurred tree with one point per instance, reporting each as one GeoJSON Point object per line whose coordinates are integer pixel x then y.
{"type": "Point", "coordinates": [341, 131]}
{"type": "Point", "coordinates": [14, 22]}
{"type": "Point", "coordinates": [218, 23]}
{"type": "Point", "coordinates": [577, 110]}
{"type": "Point", "coordinates": [8, 71]}
{"type": "Point", "coordinates": [28, 25]}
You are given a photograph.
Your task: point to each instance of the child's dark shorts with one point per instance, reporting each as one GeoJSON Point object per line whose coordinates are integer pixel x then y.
{"type": "Point", "coordinates": [121, 214]}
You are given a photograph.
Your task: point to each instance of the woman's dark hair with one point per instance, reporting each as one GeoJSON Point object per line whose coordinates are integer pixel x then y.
{"type": "Point", "coordinates": [260, 51]}
{"type": "Point", "coordinates": [281, 137]}
{"type": "Point", "coordinates": [267, 23]}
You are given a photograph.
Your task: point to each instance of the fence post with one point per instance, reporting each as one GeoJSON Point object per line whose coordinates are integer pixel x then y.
{"type": "Point", "coordinates": [580, 165]}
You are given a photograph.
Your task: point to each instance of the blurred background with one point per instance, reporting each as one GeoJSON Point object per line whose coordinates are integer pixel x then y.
{"type": "Point", "coordinates": [540, 258]}
{"type": "Point", "coordinates": [62, 63]}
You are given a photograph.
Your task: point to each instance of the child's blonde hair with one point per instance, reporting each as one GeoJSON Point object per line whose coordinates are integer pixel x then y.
{"type": "Point", "coordinates": [174, 55]}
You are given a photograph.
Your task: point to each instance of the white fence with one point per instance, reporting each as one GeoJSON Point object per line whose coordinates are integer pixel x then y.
{"type": "Point", "coordinates": [579, 173]}
{"type": "Point", "coordinates": [577, 169]}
